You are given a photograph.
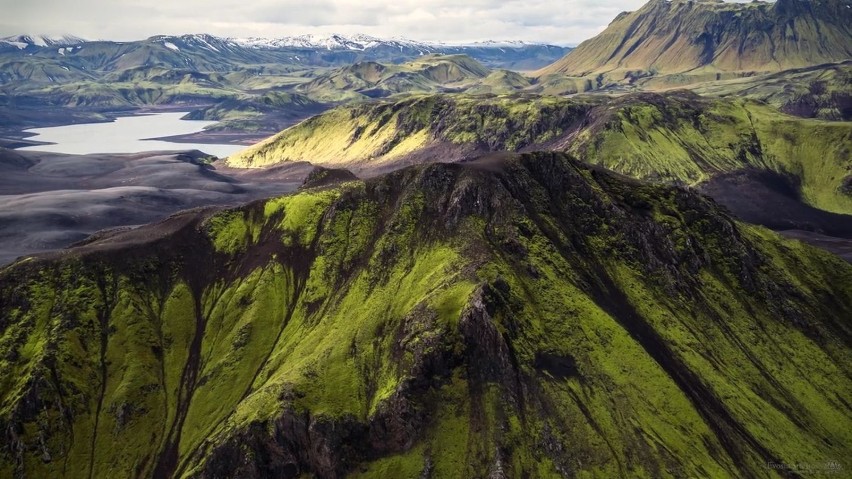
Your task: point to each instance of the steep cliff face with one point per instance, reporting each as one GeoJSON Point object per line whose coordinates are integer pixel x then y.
{"type": "Point", "coordinates": [714, 36]}
{"type": "Point", "coordinates": [514, 316]}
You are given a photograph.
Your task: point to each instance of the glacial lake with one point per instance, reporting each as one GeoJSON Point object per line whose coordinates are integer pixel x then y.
{"type": "Point", "coordinates": [128, 134]}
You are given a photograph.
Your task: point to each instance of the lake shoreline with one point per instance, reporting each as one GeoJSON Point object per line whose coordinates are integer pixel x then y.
{"type": "Point", "coordinates": [149, 129]}
{"type": "Point", "coordinates": [217, 137]}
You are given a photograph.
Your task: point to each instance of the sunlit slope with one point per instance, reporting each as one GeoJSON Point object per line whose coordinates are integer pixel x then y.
{"type": "Point", "coordinates": [676, 136]}
{"type": "Point", "coordinates": [525, 315]}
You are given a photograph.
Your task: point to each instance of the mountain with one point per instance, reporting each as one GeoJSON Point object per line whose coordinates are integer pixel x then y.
{"type": "Point", "coordinates": [202, 70]}
{"type": "Point", "coordinates": [366, 42]}
{"type": "Point", "coordinates": [364, 80]}
{"type": "Point", "coordinates": [23, 42]}
{"type": "Point", "coordinates": [513, 316]}
{"type": "Point", "coordinates": [674, 137]}
{"type": "Point", "coordinates": [210, 53]}
{"type": "Point", "coordinates": [516, 55]}
{"type": "Point", "coordinates": [336, 42]}
{"type": "Point", "coordinates": [709, 39]}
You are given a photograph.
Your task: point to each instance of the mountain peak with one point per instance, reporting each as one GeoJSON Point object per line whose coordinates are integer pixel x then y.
{"type": "Point", "coordinates": [714, 36]}
{"type": "Point", "coordinates": [25, 40]}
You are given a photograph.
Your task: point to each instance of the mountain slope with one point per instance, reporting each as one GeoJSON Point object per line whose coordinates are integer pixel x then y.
{"type": "Point", "coordinates": [674, 137]}
{"type": "Point", "coordinates": [665, 37]}
{"type": "Point", "coordinates": [514, 317]}
{"type": "Point", "coordinates": [375, 80]}
{"type": "Point", "coordinates": [823, 91]}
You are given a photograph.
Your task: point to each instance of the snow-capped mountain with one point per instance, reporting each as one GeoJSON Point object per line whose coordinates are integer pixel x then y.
{"type": "Point", "coordinates": [205, 52]}
{"type": "Point", "coordinates": [357, 42]}
{"type": "Point", "coordinates": [24, 41]}
{"type": "Point", "coordinates": [196, 40]}
{"type": "Point", "coordinates": [362, 42]}
{"type": "Point", "coordinates": [502, 44]}
{"type": "Point", "coordinates": [349, 48]}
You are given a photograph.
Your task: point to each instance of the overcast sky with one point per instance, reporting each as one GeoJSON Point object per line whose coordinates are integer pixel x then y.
{"type": "Point", "coordinates": [552, 21]}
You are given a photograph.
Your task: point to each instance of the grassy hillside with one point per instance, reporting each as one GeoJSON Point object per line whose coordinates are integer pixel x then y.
{"type": "Point", "coordinates": [706, 40]}
{"type": "Point", "coordinates": [387, 134]}
{"type": "Point", "coordinates": [520, 317]}
{"type": "Point", "coordinates": [823, 92]}
{"type": "Point", "coordinates": [674, 137]}
{"type": "Point", "coordinates": [684, 138]}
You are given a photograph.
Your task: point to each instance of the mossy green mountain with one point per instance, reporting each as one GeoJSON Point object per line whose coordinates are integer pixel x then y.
{"type": "Point", "coordinates": [673, 137]}
{"type": "Point", "coordinates": [690, 41]}
{"type": "Point", "coordinates": [514, 316]}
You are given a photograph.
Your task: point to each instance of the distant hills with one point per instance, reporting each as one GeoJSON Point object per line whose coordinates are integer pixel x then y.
{"type": "Point", "coordinates": [363, 80]}
{"type": "Point", "coordinates": [231, 77]}
{"type": "Point", "coordinates": [218, 53]}
{"type": "Point", "coordinates": [713, 38]}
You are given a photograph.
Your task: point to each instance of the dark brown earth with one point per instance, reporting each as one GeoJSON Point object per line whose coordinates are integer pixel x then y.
{"type": "Point", "coordinates": [50, 201]}
{"type": "Point", "coordinates": [773, 200]}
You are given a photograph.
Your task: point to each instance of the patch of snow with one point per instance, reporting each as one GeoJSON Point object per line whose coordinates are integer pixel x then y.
{"type": "Point", "coordinates": [360, 42]}
{"type": "Point", "coordinates": [42, 40]}
{"type": "Point", "coordinates": [61, 51]}
{"type": "Point", "coordinates": [501, 44]}
{"type": "Point", "coordinates": [208, 45]}
{"type": "Point", "coordinates": [328, 42]}
{"type": "Point", "coordinates": [171, 46]}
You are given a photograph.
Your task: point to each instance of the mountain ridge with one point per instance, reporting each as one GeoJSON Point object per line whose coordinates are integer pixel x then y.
{"type": "Point", "coordinates": [513, 314]}
{"type": "Point", "coordinates": [675, 137]}
{"type": "Point", "coordinates": [24, 40]}
{"type": "Point", "coordinates": [286, 49]}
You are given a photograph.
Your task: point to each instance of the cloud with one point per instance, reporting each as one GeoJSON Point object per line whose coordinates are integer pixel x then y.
{"type": "Point", "coordinates": [563, 22]}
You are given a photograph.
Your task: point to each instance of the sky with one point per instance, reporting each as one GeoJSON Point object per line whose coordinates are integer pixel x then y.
{"type": "Point", "coordinates": [563, 22]}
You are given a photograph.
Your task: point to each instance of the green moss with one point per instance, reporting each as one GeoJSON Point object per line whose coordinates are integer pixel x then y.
{"type": "Point", "coordinates": [582, 325]}
{"type": "Point", "coordinates": [229, 232]}
{"type": "Point", "coordinates": [407, 464]}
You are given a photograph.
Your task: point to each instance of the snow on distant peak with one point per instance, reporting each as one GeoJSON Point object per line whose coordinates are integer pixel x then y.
{"type": "Point", "coordinates": [171, 46]}
{"type": "Point", "coordinates": [501, 44]}
{"type": "Point", "coordinates": [364, 42]}
{"type": "Point", "coordinates": [23, 41]}
{"type": "Point", "coordinates": [334, 41]}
